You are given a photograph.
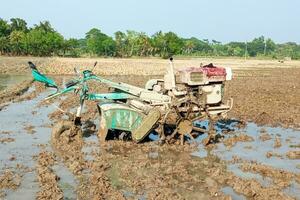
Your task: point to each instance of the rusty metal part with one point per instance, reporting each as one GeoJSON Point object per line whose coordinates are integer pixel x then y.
{"type": "Point", "coordinates": [103, 131]}
{"type": "Point", "coordinates": [211, 132]}
{"type": "Point", "coordinates": [185, 126]}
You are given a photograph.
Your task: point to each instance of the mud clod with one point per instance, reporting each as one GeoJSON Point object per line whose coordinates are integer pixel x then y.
{"type": "Point", "coordinates": [10, 180]}
{"type": "Point", "coordinates": [30, 129]}
{"type": "Point", "coordinates": [6, 132]}
{"type": "Point", "coordinates": [14, 93]}
{"type": "Point", "coordinates": [48, 180]}
{"type": "Point", "coordinates": [277, 142]}
{"type": "Point", "coordinates": [6, 140]}
{"type": "Point", "coordinates": [270, 154]}
{"type": "Point", "coordinates": [230, 142]}
{"type": "Point", "coordinates": [265, 136]}
{"type": "Point", "coordinates": [254, 190]}
{"type": "Point", "coordinates": [67, 142]}
{"type": "Point", "coordinates": [263, 119]}
{"type": "Point", "coordinates": [280, 177]}
{"type": "Point", "coordinates": [293, 155]}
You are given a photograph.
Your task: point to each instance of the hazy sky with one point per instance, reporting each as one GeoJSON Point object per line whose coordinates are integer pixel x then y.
{"type": "Point", "coordinates": [223, 20]}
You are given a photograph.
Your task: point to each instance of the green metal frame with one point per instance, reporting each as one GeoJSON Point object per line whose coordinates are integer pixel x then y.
{"type": "Point", "coordinates": [120, 117]}
{"type": "Point", "coordinates": [117, 116]}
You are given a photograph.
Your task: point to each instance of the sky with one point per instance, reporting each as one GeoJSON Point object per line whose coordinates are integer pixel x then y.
{"type": "Point", "coordinates": [221, 20]}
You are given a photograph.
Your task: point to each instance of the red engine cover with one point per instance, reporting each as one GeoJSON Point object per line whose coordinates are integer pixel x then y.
{"type": "Point", "coordinates": [208, 70]}
{"type": "Point", "coordinates": [209, 73]}
{"type": "Point", "coordinates": [211, 70]}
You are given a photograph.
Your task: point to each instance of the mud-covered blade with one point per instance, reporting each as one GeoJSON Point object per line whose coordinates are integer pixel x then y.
{"type": "Point", "coordinates": [146, 126]}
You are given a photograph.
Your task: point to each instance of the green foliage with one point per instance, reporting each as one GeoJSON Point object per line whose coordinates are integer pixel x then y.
{"type": "Point", "coordinates": [17, 42]}
{"type": "Point", "coordinates": [71, 47]}
{"type": "Point", "coordinates": [4, 45]}
{"type": "Point", "coordinates": [42, 43]}
{"type": "Point", "coordinates": [120, 39]}
{"type": "Point", "coordinates": [168, 44]}
{"type": "Point", "coordinates": [44, 26]}
{"type": "Point", "coordinates": [18, 24]}
{"type": "Point", "coordinates": [4, 28]}
{"type": "Point", "coordinates": [174, 44]}
{"type": "Point", "coordinates": [159, 44]}
{"type": "Point", "coordinates": [256, 46]}
{"type": "Point", "coordinates": [43, 40]}
{"type": "Point", "coordinates": [99, 44]}
{"type": "Point", "coordinates": [289, 49]}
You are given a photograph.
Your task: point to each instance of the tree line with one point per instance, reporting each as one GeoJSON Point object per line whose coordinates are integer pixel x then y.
{"type": "Point", "coordinates": [17, 39]}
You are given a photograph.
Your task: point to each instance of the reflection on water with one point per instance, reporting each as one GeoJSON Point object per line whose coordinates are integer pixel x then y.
{"type": "Point", "coordinates": [256, 150]}
{"type": "Point", "coordinates": [9, 80]}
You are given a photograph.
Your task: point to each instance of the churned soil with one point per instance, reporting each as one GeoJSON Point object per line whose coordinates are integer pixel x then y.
{"type": "Point", "coordinates": [266, 96]}
{"type": "Point", "coordinates": [126, 170]}
{"type": "Point", "coordinates": [264, 91]}
{"type": "Point", "coordinates": [48, 180]}
{"type": "Point", "coordinates": [15, 92]}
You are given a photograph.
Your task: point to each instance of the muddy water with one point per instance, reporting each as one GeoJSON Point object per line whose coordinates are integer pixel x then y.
{"type": "Point", "coordinates": [17, 117]}
{"type": "Point", "coordinates": [29, 126]}
{"type": "Point", "coordinates": [14, 119]}
{"type": "Point", "coordinates": [257, 150]}
{"type": "Point", "coordinates": [9, 80]}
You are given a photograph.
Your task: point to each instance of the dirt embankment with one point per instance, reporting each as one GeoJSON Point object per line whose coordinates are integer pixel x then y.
{"type": "Point", "coordinates": [19, 92]}
{"type": "Point", "coordinates": [15, 92]}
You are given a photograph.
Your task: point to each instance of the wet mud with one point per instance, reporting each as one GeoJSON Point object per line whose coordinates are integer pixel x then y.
{"type": "Point", "coordinates": [9, 180]}
{"type": "Point", "coordinates": [15, 92]}
{"type": "Point", "coordinates": [254, 161]}
{"type": "Point", "coordinates": [48, 180]}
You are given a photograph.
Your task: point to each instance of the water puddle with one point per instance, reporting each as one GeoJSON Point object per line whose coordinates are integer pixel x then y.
{"type": "Point", "coordinates": [130, 195]}
{"type": "Point", "coordinates": [27, 190]}
{"type": "Point", "coordinates": [9, 80]}
{"type": "Point", "coordinates": [229, 191]}
{"type": "Point", "coordinates": [67, 181]}
{"type": "Point", "coordinates": [256, 151]}
{"type": "Point", "coordinates": [293, 190]}
{"type": "Point", "coordinates": [264, 181]}
{"type": "Point", "coordinates": [17, 119]}
{"type": "Point", "coordinates": [91, 147]}
{"type": "Point", "coordinates": [26, 124]}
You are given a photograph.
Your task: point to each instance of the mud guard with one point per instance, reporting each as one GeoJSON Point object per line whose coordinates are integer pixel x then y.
{"type": "Point", "coordinates": [146, 126]}
{"type": "Point", "coordinates": [119, 116]}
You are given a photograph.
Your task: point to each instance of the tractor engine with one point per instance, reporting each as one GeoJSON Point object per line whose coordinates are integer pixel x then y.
{"type": "Point", "coordinates": [196, 93]}
{"type": "Point", "coordinates": [207, 83]}
{"type": "Point", "coordinates": [195, 89]}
